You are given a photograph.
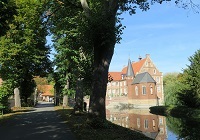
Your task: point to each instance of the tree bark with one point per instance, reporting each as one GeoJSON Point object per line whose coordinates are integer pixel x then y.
{"type": "Point", "coordinates": [103, 52]}
{"type": "Point", "coordinates": [104, 39]}
{"type": "Point", "coordinates": [79, 96]}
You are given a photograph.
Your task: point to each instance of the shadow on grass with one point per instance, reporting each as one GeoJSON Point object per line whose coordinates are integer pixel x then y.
{"type": "Point", "coordinates": [97, 129]}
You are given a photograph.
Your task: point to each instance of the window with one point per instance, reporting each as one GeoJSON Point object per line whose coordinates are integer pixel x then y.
{"type": "Point", "coordinates": [146, 124]}
{"type": "Point", "coordinates": [143, 90]}
{"type": "Point", "coordinates": [113, 83]}
{"type": "Point", "coordinates": [154, 71]}
{"type": "Point", "coordinates": [158, 88]}
{"type": "Point", "coordinates": [154, 124]}
{"type": "Point", "coordinates": [117, 91]}
{"type": "Point", "coordinates": [136, 90]}
{"type": "Point", "coordinates": [151, 89]}
{"type": "Point", "coordinates": [138, 122]}
{"type": "Point", "coordinates": [125, 90]}
{"type": "Point", "coordinates": [116, 83]}
{"type": "Point", "coordinates": [158, 79]}
{"type": "Point", "coordinates": [160, 121]}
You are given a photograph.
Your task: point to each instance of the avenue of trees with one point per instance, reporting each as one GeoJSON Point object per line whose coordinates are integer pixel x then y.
{"type": "Point", "coordinates": [23, 50]}
{"type": "Point", "coordinates": [84, 35]}
{"type": "Point", "coordinates": [183, 89]}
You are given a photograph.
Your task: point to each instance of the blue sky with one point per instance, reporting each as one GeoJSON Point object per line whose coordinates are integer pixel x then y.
{"type": "Point", "coordinates": [168, 33]}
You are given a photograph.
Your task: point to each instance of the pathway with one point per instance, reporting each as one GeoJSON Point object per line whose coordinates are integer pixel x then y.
{"type": "Point", "coordinates": [41, 124]}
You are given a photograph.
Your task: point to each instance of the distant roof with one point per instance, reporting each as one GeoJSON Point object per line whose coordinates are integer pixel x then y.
{"type": "Point", "coordinates": [143, 78]}
{"type": "Point", "coordinates": [46, 90]}
{"type": "Point", "coordinates": [129, 72]}
{"type": "Point", "coordinates": [116, 76]}
{"type": "Point", "coordinates": [136, 66]}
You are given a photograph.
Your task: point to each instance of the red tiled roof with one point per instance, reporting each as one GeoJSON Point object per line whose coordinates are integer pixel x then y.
{"type": "Point", "coordinates": [116, 76]}
{"type": "Point", "coordinates": [46, 90]}
{"type": "Point", "coordinates": [136, 66]}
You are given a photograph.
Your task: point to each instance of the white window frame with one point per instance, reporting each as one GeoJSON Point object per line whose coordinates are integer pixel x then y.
{"type": "Point", "coordinates": [144, 93]}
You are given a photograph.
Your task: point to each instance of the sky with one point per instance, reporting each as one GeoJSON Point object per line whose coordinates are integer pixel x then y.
{"type": "Point", "coordinates": [168, 33]}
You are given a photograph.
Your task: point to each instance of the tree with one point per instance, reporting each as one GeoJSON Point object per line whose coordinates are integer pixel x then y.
{"type": "Point", "coordinates": [191, 95]}
{"type": "Point", "coordinates": [23, 49]}
{"type": "Point", "coordinates": [172, 87]}
{"type": "Point", "coordinates": [7, 12]}
{"type": "Point", "coordinates": [104, 30]}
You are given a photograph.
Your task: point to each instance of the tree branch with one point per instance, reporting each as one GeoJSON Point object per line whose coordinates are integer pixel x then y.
{"type": "Point", "coordinates": [85, 7]}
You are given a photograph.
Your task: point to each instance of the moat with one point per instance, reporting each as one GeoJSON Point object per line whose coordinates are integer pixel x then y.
{"type": "Point", "coordinates": [155, 126]}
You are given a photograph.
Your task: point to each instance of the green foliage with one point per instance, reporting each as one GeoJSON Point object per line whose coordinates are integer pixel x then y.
{"type": "Point", "coordinates": [73, 59]}
{"type": "Point", "coordinates": [191, 95]}
{"type": "Point", "coordinates": [172, 88]}
{"type": "Point", "coordinates": [23, 49]}
{"type": "Point", "coordinates": [7, 12]}
{"type": "Point", "coordinates": [5, 93]}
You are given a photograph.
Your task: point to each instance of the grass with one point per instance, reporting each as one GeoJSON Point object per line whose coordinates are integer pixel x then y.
{"type": "Point", "coordinates": [13, 112]}
{"type": "Point", "coordinates": [96, 129]}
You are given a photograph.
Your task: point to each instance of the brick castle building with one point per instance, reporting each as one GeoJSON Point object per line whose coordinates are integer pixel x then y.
{"type": "Point", "coordinates": [140, 84]}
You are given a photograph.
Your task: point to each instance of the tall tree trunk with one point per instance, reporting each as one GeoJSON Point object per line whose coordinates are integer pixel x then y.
{"type": "Point", "coordinates": [65, 97]}
{"type": "Point", "coordinates": [104, 39]}
{"type": "Point", "coordinates": [79, 96]}
{"type": "Point", "coordinates": [102, 59]}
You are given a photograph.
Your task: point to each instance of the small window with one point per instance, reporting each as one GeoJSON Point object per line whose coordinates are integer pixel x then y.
{"type": "Point", "coordinates": [158, 89]}
{"type": "Point", "coordinates": [151, 89]}
{"type": "Point", "coordinates": [160, 121]}
{"type": "Point", "coordinates": [113, 83]}
{"type": "Point", "coordinates": [138, 122]}
{"type": "Point", "coordinates": [143, 90]}
{"type": "Point", "coordinates": [158, 79]}
{"type": "Point", "coordinates": [154, 71]}
{"type": "Point", "coordinates": [146, 125]}
{"type": "Point", "coordinates": [136, 91]}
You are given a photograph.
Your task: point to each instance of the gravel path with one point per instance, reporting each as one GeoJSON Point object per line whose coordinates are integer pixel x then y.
{"type": "Point", "coordinates": [41, 124]}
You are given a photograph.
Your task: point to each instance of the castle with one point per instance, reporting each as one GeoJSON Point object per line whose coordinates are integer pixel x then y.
{"type": "Point", "coordinates": [139, 84]}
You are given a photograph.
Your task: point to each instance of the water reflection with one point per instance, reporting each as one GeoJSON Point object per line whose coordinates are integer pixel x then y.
{"type": "Point", "coordinates": [184, 128]}
{"type": "Point", "coordinates": [153, 126]}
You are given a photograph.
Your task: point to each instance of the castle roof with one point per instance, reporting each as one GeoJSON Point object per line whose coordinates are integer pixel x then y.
{"type": "Point", "coordinates": [135, 65]}
{"type": "Point", "coordinates": [116, 76]}
{"type": "Point", "coordinates": [143, 78]}
{"type": "Point", "coordinates": [46, 90]}
{"type": "Point", "coordinates": [129, 72]}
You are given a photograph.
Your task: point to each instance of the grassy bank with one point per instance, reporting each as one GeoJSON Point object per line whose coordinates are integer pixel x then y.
{"type": "Point", "coordinates": [176, 111]}
{"type": "Point", "coordinates": [98, 130]}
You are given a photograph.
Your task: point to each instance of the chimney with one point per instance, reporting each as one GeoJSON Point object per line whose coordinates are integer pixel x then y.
{"type": "Point", "coordinates": [147, 55]}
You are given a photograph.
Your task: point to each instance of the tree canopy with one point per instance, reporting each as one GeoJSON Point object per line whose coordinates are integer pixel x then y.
{"type": "Point", "coordinates": [23, 49]}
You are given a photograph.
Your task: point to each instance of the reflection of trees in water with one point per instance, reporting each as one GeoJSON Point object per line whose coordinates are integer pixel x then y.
{"type": "Point", "coordinates": [184, 128]}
